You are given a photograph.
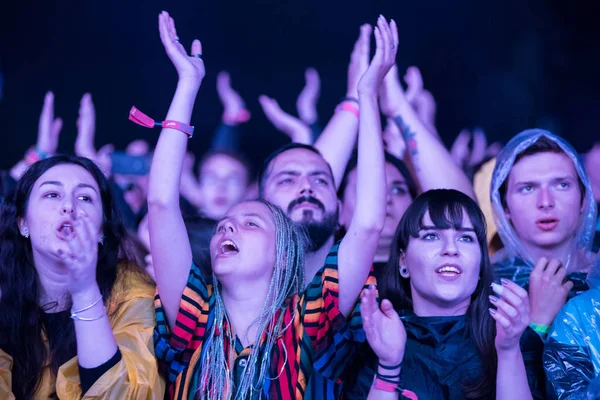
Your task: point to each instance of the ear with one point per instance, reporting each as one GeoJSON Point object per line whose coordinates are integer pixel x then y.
{"type": "Point", "coordinates": [507, 213]}
{"type": "Point", "coordinates": [22, 226]}
{"type": "Point", "coordinates": [404, 272]}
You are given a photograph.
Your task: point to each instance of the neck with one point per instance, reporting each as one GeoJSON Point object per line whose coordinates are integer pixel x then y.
{"type": "Point", "coordinates": [244, 304]}
{"type": "Point", "coordinates": [52, 283]}
{"type": "Point", "coordinates": [431, 308]}
{"type": "Point", "coordinates": [384, 248]}
{"type": "Point", "coordinates": [314, 261]}
{"type": "Point", "coordinates": [560, 252]}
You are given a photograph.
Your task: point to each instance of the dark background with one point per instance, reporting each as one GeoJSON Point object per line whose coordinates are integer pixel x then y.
{"type": "Point", "coordinates": [504, 66]}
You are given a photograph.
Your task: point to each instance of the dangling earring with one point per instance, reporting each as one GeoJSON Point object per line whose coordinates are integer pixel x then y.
{"type": "Point", "coordinates": [404, 272]}
{"type": "Point", "coordinates": [26, 233]}
{"type": "Point", "coordinates": [101, 241]}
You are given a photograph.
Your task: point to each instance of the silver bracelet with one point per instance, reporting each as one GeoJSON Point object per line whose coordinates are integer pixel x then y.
{"type": "Point", "coordinates": [78, 318]}
{"type": "Point", "coordinates": [86, 308]}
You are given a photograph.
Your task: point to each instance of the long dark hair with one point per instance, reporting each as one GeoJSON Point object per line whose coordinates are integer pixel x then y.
{"type": "Point", "coordinates": [446, 209]}
{"type": "Point", "coordinates": [21, 317]}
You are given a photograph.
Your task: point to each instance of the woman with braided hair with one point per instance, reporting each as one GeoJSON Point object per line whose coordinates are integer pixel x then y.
{"type": "Point", "coordinates": [253, 329]}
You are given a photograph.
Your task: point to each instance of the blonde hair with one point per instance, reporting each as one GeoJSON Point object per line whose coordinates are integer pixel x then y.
{"type": "Point", "coordinates": [216, 375]}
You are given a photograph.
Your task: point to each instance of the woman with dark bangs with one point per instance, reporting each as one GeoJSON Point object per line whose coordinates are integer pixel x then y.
{"type": "Point", "coordinates": [436, 335]}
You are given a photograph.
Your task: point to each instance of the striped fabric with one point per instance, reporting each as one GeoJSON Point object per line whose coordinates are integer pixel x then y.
{"type": "Point", "coordinates": [318, 331]}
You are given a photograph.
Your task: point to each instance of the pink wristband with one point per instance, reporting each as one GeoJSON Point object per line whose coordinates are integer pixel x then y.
{"type": "Point", "coordinates": [142, 119]}
{"type": "Point", "coordinates": [347, 106]}
{"type": "Point", "coordinates": [241, 117]}
{"type": "Point", "coordinates": [33, 155]}
{"type": "Point", "coordinates": [392, 387]}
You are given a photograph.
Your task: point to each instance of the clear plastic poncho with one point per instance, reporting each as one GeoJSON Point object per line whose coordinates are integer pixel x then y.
{"type": "Point", "coordinates": [513, 249]}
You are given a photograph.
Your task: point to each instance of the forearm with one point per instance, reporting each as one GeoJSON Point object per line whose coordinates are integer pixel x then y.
{"type": "Point", "coordinates": [170, 246]}
{"type": "Point", "coordinates": [337, 141]}
{"type": "Point", "coordinates": [167, 162]}
{"type": "Point", "coordinates": [511, 378]}
{"type": "Point", "coordinates": [95, 340]}
{"type": "Point", "coordinates": [428, 155]}
{"type": "Point", "coordinates": [357, 250]}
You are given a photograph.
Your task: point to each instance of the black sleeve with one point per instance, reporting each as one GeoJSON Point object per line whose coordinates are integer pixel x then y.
{"type": "Point", "coordinates": [89, 376]}
{"type": "Point", "coordinates": [532, 348]}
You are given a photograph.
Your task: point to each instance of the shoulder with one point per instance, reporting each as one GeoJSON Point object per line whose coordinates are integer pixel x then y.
{"type": "Point", "coordinates": [131, 283]}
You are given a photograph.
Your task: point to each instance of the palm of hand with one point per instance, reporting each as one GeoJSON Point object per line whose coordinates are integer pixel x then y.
{"type": "Point", "coordinates": [189, 67]}
{"type": "Point", "coordinates": [386, 39]}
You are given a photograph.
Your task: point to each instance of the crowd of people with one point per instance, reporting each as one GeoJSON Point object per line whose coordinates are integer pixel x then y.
{"type": "Point", "coordinates": [358, 262]}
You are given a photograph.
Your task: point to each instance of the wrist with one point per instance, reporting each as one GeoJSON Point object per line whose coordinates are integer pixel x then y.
{"type": "Point", "coordinates": [508, 352]}
{"type": "Point", "coordinates": [85, 297]}
{"type": "Point", "coordinates": [191, 85]}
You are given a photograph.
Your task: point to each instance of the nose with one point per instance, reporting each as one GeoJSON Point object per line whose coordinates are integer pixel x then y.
{"type": "Point", "coordinates": [305, 187]}
{"type": "Point", "coordinates": [545, 199]}
{"type": "Point", "coordinates": [67, 207]}
{"type": "Point", "coordinates": [229, 226]}
{"type": "Point", "coordinates": [450, 248]}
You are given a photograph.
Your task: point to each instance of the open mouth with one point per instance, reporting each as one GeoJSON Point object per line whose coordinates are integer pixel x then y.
{"type": "Point", "coordinates": [449, 270]}
{"type": "Point", "coordinates": [547, 223]}
{"type": "Point", "coordinates": [228, 247]}
{"type": "Point", "coordinates": [65, 229]}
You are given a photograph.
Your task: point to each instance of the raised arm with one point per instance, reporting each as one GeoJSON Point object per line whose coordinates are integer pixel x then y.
{"type": "Point", "coordinates": [357, 249]}
{"type": "Point", "coordinates": [427, 153]}
{"type": "Point", "coordinates": [170, 246]}
{"type": "Point", "coordinates": [47, 139]}
{"type": "Point", "coordinates": [337, 140]}
{"type": "Point", "coordinates": [227, 135]}
{"type": "Point", "coordinates": [294, 128]}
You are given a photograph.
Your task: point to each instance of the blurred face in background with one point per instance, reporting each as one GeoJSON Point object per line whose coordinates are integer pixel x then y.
{"type": "Point", "coordinates": [223, 184]}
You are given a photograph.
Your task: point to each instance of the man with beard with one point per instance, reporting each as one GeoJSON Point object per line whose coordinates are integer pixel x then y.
{"type": "Point", "coordinates": [299, 180]}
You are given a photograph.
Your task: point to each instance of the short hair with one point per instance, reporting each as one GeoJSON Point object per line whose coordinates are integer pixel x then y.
{"type": "Point", "coordinates": [389, 158]}
{"type": "Point", "coordinates": [263, 173]}
{"type": "Point", "coordinates": [542, 145]}
{"type": "Point", "coordinates": [239, 157]}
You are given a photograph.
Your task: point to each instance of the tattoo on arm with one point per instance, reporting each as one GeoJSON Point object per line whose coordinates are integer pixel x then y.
{"type": "Point", "coordinates": [410, 137]}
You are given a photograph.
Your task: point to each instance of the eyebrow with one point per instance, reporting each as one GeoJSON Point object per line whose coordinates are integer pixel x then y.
{"type": "Point", "coordinates": [244, 215]}
{"type": "Point", "coordinates": [556, 179]}
{"type": "Point", "coordinates": [298, 173]}
{"type": "Point", "coordinates": [58, 183]}
{"type": "Point", "coordinates": [399, 183]}
{"type": "Point", "coordinates": [435, 228]}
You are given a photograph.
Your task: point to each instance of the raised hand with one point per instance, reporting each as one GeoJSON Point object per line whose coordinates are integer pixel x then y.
{"type": "Point", "coordinates": [414, 83]}
{"type": "Point", "coordinates": [309, 96]}
{"type": "Point", "coordinates": [234, 109]}
{"type": "Point", "coordinates": [49, 128]}
{"type": "Point", "coordinates": [394, 142]}
{"type": "Point", "coordinates": [81, 255]}
{"type": "Point", "coordinates": [511, 315]}
{"type": "Point", "coordinates": [460, 148]}
{"type": "Point", "coordinates": [86, 128]}
{"type": "Point", "coordinates": [386, 42]}
{"type": "Point", "coordinates": [391, 93]}
{"type": "Point", "coordinates": [189, 67]}
{"type": "Point", "coordinates": [424, 105]}
{"type": "Point", "coordinates": [384, 329]}
{"type": "Point", "coordinates": [359, 60]}
{"type": "Point", "coordinates": [548, 290]}
{"type": "Point", "coordinates": [297, 130]}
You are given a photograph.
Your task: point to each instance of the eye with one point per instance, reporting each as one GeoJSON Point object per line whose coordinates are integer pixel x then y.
{"type": "Point", "coordinates": [285, 181]}
{"type": "Point", "coordinates": [399, 190]}
{"type": "Point", "coordinates": [527, 189]}
{"type": "Point", "coordinates": [467, 239]}
{"type": "Point", "coordinates": [252, 224]}
{"type": "Point", "coordinates": [564, 185]}
{"type": "Point", "coordinates": [321, 181]}
{"type": "Point", "coordinates": [430, 236]}
{"type": "Point", "coordinates": [87, 199]}
{"type": "Point", "coordinates": [51, 195]}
